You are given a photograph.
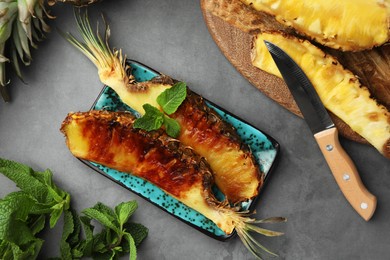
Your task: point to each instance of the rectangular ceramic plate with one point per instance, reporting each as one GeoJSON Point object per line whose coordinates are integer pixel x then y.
{"type": "Point", "coordinates": [264, 148]}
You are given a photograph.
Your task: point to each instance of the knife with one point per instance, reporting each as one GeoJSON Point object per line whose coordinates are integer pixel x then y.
{"type": "Point", "coordinates": [325, 133]}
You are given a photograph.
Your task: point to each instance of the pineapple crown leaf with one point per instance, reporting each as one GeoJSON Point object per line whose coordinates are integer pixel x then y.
{"type": "Point", "coordinates": [96, 47]}
{"type": "Point", "coordinates": [22, 24]}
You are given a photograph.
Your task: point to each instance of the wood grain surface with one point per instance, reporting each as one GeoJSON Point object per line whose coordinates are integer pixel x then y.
{"type": "Point", "coordinates": [236, 45]}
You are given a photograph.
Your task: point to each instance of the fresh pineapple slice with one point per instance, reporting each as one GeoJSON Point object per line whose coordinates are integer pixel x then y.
{"type": "Point", "coordinates": [339, 90]}
{"type": "Point", "coordinates": [373, 69]}
{"type": "Point", "coordinates": [347, 25]}
{"type": "Point", "coordinates": [371, 66]}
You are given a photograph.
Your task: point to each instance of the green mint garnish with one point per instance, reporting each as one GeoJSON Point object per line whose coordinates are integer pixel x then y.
{"type": "Point", "coordinates": [169, 100]}
{"type": "Point", "coordinates": [151, 120]}
{"type": "Point", "coordinates": [23, 216]}
{"type": "Point", "coordinates": [172, 127]}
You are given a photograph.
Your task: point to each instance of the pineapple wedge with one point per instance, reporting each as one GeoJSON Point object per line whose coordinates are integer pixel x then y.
{"type": "Point", "coordinates": [235, 170]}
{"type": "Point", "coordinates": [339, 90]}
{"type": "Point", "coordinates": [349, 25]}
{"type": "Point", "coordinates": [108, 138]}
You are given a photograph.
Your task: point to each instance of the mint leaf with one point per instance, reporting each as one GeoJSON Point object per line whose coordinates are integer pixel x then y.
{"type": "Point", "coordinates": [151, 120]}
{"type": "Point", "coordinates": [172, 127]}
{"type": "Point", "coordinates": [18, 204]}
{"type": "Point", "coordinates": [70, 245]}
{"type": "Point", "coordinates": [14, 210]}
{"type": "Point", "coordinates": [99, 242]}
{"type": "Point", "coordinates": [171, 98]}
{"type": "Point", "coordinates": [29, 251]}
{"type": "Point", "coordinates": [86, 245]}
{"type": "Point", "coordinates": [54, 217]}
{"type": "Point", "coordinates": [37, 224]}
{"type": "Point", "coordinates": [67, 230]}
{"type": "Point", "coordinates": [74, 237]}
{"type": "Point", "coordinates": [22, 176]}
{"type": "Point", "coordinates": [138, 231]}
{"type": "Point", "coordinates": [77, 254]}
{"type": "Point", "coordinates": [102, 218]}
{"type": "Point", "coordinates": [132, 247]}
{"type": "Point", "coordinates": [45, 177]}
{"type": "Point", "coordinates": [105, 209]}
{"type": "Point", "coordinates": [124, 210]}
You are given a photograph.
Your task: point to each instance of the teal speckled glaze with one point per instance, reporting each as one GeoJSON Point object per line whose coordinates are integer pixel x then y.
{"type": "Point", "coordinates": [264, 148]}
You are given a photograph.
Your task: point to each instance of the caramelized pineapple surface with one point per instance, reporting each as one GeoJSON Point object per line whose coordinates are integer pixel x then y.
{"type": "Point", "coordinates": [235, 171]}
{"type": "Point", "coordinates": [108, 138]}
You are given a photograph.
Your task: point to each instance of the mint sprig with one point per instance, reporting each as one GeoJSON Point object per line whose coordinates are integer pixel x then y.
{"type": "Point", "coordinates": [153, 119]}
{"type": "Point", "coordinates": [169, 100]}
{"type": "Point", "coordinates": [23, 215]}
{"type": "Point", "coordinates": [117, 237]}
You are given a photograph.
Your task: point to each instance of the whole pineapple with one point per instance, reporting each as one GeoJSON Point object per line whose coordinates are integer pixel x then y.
{"type": "Point", "coordinates": [22, 25]}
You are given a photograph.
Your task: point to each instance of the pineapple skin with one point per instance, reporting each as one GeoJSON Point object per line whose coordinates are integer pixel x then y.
{"type": "Point", "coordinates": [108, 138]}
{"type": "Point", "coordinates": [339, 90]}
{"type": "Point", "coordinates": [242, 16]}
{"type": "Point", "coordinates": [348, 25]}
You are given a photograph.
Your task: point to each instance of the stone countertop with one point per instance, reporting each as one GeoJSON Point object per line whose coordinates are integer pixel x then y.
{"type": "Point", "coordinates": [171, 37]}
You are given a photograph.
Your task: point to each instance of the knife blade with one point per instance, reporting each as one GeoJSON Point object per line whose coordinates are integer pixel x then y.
{"type": "Point", "coordinates": [325, 133]}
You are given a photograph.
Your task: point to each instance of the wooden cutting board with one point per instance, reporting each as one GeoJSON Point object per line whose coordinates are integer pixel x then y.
{"type": "Point", "coordinates": [236, 46]}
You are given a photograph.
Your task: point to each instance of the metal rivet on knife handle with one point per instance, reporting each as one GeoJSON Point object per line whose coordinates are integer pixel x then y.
{"type": "Point", "coordinates": [364, 205]}
{"type": "Point", "coordinates": [329, 147]}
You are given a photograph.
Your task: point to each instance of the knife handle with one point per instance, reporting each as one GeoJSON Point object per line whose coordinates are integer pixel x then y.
{"type": "Point", "coordinates": [346, 174]}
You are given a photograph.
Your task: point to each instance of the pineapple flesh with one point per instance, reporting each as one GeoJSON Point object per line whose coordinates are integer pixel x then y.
{"type": "Point", "coordinates": [339, 90]}
{"type": "Point", "coordinates": [108, 138]}
{"type": "Point", "coordinates": [348, 25]}
{"type": "Point", "coordinates": [235, 170]}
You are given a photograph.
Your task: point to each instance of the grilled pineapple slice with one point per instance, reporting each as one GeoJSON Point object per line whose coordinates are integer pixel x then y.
{"type": "Point", "coordinates": [108, 138]}
{"type": "Point", "coordinates": [235, 170]}
{"type": "Point", "coordinates": [236, 173]}
{"type": "Point", "coordinates": [349, 25]}
{"type": "Point", "coordinates": [339, 90]}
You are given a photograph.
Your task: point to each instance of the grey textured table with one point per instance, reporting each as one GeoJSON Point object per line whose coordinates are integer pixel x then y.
{"type": "Point", "coordinates": [171, 37]}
